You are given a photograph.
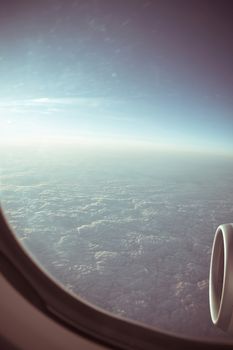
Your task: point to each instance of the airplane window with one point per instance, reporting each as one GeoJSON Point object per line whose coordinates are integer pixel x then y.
{"type": "Point", "coordinates": [116, 149]}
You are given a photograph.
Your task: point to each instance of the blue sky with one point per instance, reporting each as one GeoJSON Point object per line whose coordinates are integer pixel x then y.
{"type": "Point", "coordinates": [141, 72]}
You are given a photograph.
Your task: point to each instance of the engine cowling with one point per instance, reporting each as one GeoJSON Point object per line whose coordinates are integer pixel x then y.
{"type": "Point", "coordinates": [221, 278]}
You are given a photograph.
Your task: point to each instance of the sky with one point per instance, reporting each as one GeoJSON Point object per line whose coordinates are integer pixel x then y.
{"type": "Point", "coordinates": [155, 72]}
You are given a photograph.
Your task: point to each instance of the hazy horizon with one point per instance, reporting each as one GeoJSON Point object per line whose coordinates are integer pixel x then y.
{"type": "Point", "coordinates": [94, 122]}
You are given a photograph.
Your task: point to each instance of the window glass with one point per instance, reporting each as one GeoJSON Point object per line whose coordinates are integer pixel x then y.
{"type": "Point", "coordinates": [116, 149]}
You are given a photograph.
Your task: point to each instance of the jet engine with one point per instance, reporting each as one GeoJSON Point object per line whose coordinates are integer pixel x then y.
{"type": "Point", "coordinates": [221, 278]}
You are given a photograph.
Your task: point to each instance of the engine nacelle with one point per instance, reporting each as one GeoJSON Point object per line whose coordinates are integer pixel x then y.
{"type": "Point", "coordinates": [221, 278]}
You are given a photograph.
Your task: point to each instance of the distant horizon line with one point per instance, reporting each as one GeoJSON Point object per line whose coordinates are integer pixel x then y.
{"type": "Point", "coordinates": [111, 144]}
